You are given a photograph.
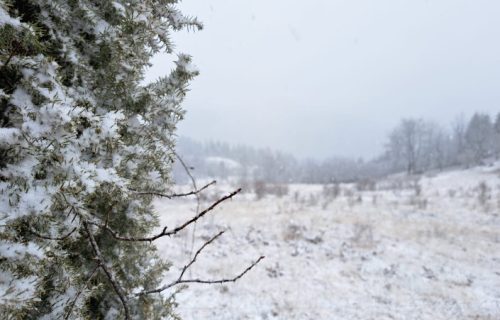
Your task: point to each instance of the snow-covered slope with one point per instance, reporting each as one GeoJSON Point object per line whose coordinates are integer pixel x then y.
{"type": "Point", "coordinates": [412, 248]}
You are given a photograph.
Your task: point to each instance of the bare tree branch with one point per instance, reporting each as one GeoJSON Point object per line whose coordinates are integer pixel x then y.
{"type": "Point", "coordinates": [198, 202]}
{"type": "Point", "coordinates": [72, 305]}
{"type": "Point", "coordinates": [182, 281]}
{"type": "Point", "coordinates": [175, 195]}
{"type": "Point", "coordinates": [187, 266]}
{"type": "Point", "coordinates": [104, 268]}
{"type": "Point", "coordinates": [198, 253]}
{"type": "Point", "coordinates": [164, 232]}
{"type": "Point", "coordinates": [186, 168]}
{"type": "Point", "coordinates": [202, 213]}
{"type": "Point", "coordinates": [52, 238]}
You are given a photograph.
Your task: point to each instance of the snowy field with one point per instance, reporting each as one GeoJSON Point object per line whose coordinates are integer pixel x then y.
{"type": "Point", "coordinates": [426, 248]}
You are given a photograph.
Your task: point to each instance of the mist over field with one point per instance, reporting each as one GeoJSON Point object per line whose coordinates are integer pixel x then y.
{"type": "Point", "coordinates": [412, 233]}
{"type": "Point", "coordinates": [332, 78]}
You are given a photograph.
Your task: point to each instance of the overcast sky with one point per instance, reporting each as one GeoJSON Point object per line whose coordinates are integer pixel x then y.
{"type": "Point", "coordinates": [322, 78]}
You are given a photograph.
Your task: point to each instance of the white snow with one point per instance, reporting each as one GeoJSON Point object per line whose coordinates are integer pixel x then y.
{"type": "Point", "coordinates": [119, 7]}
{"type": "Point", "coordinates": [16, 251]}
{"type": "Point", "coordinates": [14, 290]}
{"type": "Point", "coordinates": [9, 135]}
{"type": "Point", "coordinates": [109, 124]}
{"type": "Point", "coordinates": [5, 18]}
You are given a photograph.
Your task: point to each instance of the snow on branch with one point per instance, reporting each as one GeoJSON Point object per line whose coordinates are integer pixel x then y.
{"type": "Point", "coordinates": [107, 272]}
{"type": "Point", "coordinates": [73, 303]}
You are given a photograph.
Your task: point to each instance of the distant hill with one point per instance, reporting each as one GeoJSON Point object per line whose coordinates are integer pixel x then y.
{"type": "Point", "coordinates": [223, 161]}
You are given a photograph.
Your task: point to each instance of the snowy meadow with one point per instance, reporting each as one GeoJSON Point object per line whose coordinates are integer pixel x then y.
{"type": "Point", "coordinates": [417, 247]}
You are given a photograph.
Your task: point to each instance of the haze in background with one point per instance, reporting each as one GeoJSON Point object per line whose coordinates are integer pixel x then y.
{"type": "Point", "coordinates": [323, 78]}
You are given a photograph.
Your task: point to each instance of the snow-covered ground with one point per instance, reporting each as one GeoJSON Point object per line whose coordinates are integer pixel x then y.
{"type": "Point", "coordinates": [426, 248]}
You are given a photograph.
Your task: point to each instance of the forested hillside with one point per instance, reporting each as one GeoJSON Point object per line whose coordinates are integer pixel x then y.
{"type": "Point", "coordinates": [414, 146]}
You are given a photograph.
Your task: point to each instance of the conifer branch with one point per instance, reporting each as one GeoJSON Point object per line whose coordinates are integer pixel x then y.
{"type": "Point", "coordinates": [165, 232]}
{"type": "Point", "coordinates": [72, 305]}
{"type": "Point", "coordinates": [198, 253]}
{"type": "Point", "coordinates": [106, 271]}
{"type": "Point", "coordinates": [219, 281]}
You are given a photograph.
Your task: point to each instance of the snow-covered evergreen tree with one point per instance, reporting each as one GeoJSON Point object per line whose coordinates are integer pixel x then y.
{"type": "Point", "coordinates": [79, 136]}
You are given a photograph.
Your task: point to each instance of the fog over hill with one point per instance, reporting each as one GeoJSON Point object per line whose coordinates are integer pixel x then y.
{"type": "Point", "coordinates": [414, 146]}
{"type": "Point", "coordinates": [308, 79]}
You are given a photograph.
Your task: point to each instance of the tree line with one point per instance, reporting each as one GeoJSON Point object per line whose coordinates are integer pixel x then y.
{"type": "Point", "coordinates": [414, 146]}
{"type": "Point", "coordinates": [417, 145]}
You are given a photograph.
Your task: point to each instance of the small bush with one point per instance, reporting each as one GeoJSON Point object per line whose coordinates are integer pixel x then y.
{"type": "Point", "coordinates": [363, 234]}
{"type": "Point", "coordinates": [484, 194]}
{"type": "Point", "coordinates": [261, 189]}
{"type": "Point", "coordinates": [366, 185]}
{"type": "Point", "coordinates": [331, 191]}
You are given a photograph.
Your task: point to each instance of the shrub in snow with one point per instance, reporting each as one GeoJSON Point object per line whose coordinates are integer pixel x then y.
{"type": "Point", "coordinates": [79, 137]}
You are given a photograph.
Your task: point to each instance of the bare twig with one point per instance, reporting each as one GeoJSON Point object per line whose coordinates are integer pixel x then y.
{"type": "Point", "coordinates": [198, 253]}
{"type": "Point", "coordinates": [187, 266]}
{"type": "Point", "coordinates": [52, 238]}
{"type": "Point", "coordinates": [165, 232]}
{"type": "Point", "coordinates": [186, 168]}
{"type": "Point", "coordinates": [198, 202]}
{"type": "Point", "coordinates": [177, 282]}
{"type": "Point", "coordinates": [175, 195]}
{"type": "Point", "coordinates": [202, 213]}
{"type": "Point", "coordinates": [72, 305]}
{"type": "Point", "coordinates": [106, 222]}
{"type": "Point", "coordinates": [104, 268]}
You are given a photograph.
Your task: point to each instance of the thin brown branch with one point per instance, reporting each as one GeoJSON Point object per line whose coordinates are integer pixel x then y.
{"type": "Point", "coordinates": [52, 238]}
{"type": "Point", "coordinates": [202, 213]}
{"type": "Point", "coordinates": [198, 253]}
{"type": "Point", "coordinates": [165, 232]}
{"type": "Point", "coordinates": [175, 195]}
{"type": "Point", "coordinates": [105, 269]}
{"type": "Point", "coordinates": [198, 200]}
{"type": "Point", "coordinates": [195, 192]}
{"type": "Point", "coordinates": [72, 305]}
{"type": "Point", "coordinates": [186, 168]}
{"type": "Point", "coordinates": [182, 281]}
{"type": "Point", "coordinates": [107, 218]}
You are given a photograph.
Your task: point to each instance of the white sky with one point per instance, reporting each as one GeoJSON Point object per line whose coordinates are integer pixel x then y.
{"type": "Point", "coordinates": [321, 78]}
